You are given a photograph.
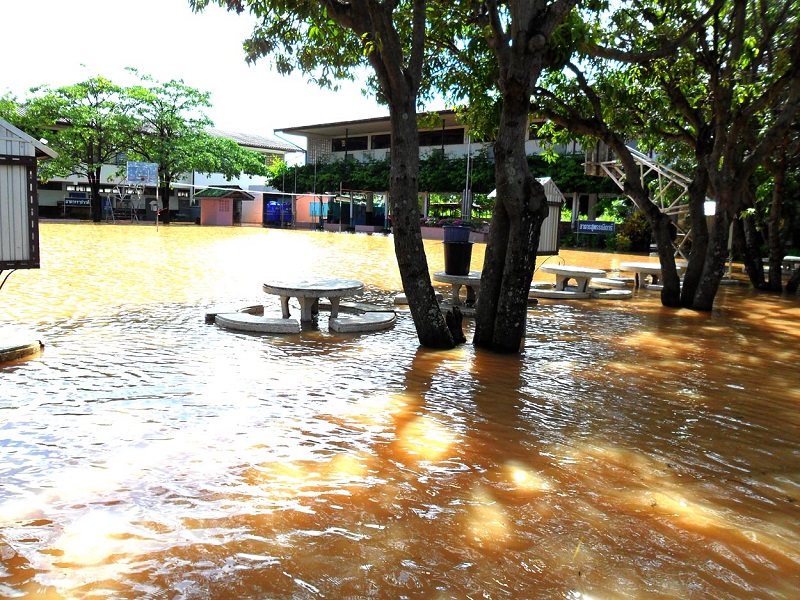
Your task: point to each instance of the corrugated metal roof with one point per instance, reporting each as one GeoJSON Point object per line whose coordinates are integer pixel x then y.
{"type": "Point", "coordinates": [41, 150]}
{"type": "Point", "coordinates": [260, 142]}
{"type": "Point", "coordinates": [219, 192]}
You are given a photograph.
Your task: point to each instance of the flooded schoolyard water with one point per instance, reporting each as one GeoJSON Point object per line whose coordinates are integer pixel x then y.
{"type": "Point", "coordinates": [629, 452]}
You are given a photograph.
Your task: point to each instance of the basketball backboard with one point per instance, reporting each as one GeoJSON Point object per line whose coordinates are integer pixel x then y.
{"type": "Point", "coordinates": [142, 173]}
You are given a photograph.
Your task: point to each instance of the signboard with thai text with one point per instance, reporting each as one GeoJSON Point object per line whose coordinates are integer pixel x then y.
{"type": "Point", "coordinates": [595, 227]}
{"type": "Point", "coordinates": [72, 201]}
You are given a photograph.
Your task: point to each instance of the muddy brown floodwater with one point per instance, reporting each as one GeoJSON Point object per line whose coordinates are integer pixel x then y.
{"type": "Point", "coordinates": [629, 452]}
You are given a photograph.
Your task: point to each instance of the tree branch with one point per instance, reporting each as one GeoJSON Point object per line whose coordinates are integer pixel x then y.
{"type": "Point", "coordinates": [665, 51]}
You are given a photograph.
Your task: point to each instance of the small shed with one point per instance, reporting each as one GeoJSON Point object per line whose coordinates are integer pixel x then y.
{"type": "Point", "coordinates": [19, 197]}
{"type": "Point", "coordinates": [221, 205]}
{"type": "Point", "coordinates": [548, 238]}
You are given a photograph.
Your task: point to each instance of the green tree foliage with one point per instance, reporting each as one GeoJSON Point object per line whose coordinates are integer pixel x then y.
{"type": "Point", "coordinates": [330, 40]}
{"type": "Point", "coordinates": [492, 58]}
{"type": "Point", "coordinates": [92, 123]}
{"type": "Point", "coordinates": [211, 154]}
{"type": "Point", "coordinates": [170, 131]}
{"type": "Point", "coordinates": [85, 123]}
{"type": "Point", "coordinates": [715, 84]}
{"type": "Point", "coordinates": [437, 174]}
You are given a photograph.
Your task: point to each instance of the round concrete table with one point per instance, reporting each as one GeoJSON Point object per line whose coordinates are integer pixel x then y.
{"type": "Point", "coordinates": [641, 269]}
{"type": "Point", "coordinates": [581, 275]}
{"type": "Point", "coordinates": [472, 281]}
{"type": "Point", "coordinates": [308, 291]}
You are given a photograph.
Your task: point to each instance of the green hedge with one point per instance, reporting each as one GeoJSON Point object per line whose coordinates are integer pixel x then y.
{"type": "Point", "coordinates": [438, 174]}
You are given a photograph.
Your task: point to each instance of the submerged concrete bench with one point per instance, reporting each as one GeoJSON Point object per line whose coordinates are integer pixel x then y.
{"type": "Point", "coordinates": [371, 321]}
{"type": "Point", "coordinates": [253, 309]}
{"type": "Point", "coordinates": [612, 282]}
{"type": "Point", "coordinates": [601, 294]}
{"type": "Point", "coordinates": [15, 350]}
{"type": "Point", "coordinates": [402, 300]}
{"type": "Point", "coordinates": [570, 293]}
{"type": "Point", "coordinates": [257, 324]}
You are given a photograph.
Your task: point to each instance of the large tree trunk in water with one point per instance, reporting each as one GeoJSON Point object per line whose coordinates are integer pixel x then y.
{"type": "Point", "coordinates": [697, 255]}
{"type": "Point", "coordinates": [662, 231]}
{"type": "Point", "coordinates": [431, 328]}
{"type": "Point", "coordinates": [717, 254]}
{"type": "Point", "coordinates": [660, 223]}
{"type": "Point", "coordinates": [520, 210]}
{"type": "Point", "coordinates": [776, 249]}
{"type": "Point", "coordinates": [746, 231]}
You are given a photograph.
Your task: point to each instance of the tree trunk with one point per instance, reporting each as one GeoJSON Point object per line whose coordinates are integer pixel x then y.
{"type": "Point", "coordinates": [662, 231]}
{"type": "Point", "coordinates": [97, 200]}
{"type": "Point", "coordinates": [717, 254]}
{"type": "Point", "coordinates": [164, 217]}
{"type": "Point", "coordinates": [746, 230]}
{"type": "Point", "coordinates": [697, 255]}
{"type": "Point", "coordinates": [430, 325]}
{"type": "Point", "coordinates": [520, 209]}
{"type": "Point", "coordinates": [776, 249]}
{"type": "Point", "coordinates": [660, 223]}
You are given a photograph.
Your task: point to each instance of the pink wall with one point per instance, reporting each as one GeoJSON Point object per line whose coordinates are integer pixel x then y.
{"type": "Point", "coordinates": [253, 210]}
{"type": "Point", "coordinates": [303, 210]}
{"type": "Point", "coordinates": [216, 211]}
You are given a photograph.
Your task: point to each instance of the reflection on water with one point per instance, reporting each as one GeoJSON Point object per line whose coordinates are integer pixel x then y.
{"type": "Point", "coordinates": [630, 451]}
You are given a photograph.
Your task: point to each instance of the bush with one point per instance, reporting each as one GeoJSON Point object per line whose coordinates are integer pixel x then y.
{"type": "Point", "coordinates": [621, 243]}
{"type": "Point", "coordinates": [636, 230]}
{"type": "Point", "coordinates": [474, 224]}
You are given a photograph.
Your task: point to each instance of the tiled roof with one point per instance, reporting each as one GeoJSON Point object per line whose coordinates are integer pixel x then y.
{"type": "Point", "coordinates": [260, 142]}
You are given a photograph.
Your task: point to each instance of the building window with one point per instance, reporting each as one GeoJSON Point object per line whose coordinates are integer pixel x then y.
{"type": "Point", "coordinates": [225, 205]}
{"type": "Point", "coordinates": [349, 144]}
{"type": "Point", "coordinates": [51, 185]}
{"type": "Point", "coordinates": [381, 141]}
{"type": "Point", "coordinates": [442, 137]}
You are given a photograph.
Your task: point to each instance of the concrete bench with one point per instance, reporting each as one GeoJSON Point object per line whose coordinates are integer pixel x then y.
{"type": "Point", "coordinates": [253, 309]}
{"type": "Point", "coordinates": [612, 294]}
{"type": "Point", "coordinates": [402, 299]}
{"type": "Point", "coordinates": [611, 282]}
{"type": "Point", "coordinates": [257, 324]}
{"type": "Point", "coordinates": [18, 349]}
{"type": "Point", "coordinates": [570, 293]}
{"type": "Point", "coordinates": [372, 321]}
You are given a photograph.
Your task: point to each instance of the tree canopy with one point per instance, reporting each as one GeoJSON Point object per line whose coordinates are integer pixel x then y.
{"type": "Point", "coordinates": [94, 122]}
{"type": "Point", "coordinates": [330, 40]}
{"type": "Point", "coordinates": [714, 85]}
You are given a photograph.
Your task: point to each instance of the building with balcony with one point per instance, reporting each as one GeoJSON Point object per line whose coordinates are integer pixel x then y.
{"type": "Point", "coordinates": [370, 139]}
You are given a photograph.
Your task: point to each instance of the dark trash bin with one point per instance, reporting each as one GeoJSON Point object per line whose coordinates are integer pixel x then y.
{"type": "Point", "coordinates": [457, 257]}
{"type": "Point", "coordinates": [456, 233]}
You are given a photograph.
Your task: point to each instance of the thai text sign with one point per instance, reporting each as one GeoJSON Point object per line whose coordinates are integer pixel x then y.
{"type": "Point", "coordinates": [596, 227]}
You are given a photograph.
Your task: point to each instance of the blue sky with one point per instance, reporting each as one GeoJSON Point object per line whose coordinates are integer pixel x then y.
{"type": "Point", "coordinates": [48, 41]}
